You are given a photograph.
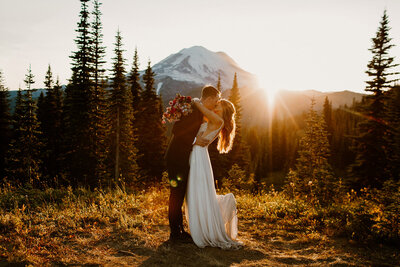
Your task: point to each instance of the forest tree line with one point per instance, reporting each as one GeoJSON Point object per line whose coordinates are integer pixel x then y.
{"type": "Point", "coordinates": [101, 130]}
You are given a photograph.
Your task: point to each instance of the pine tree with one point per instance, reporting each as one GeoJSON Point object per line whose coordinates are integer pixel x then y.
{"type": "Point", "coordinates": [240, 151]}
{"type": "Point", "coordinates": [41, 116]}
{"type": "Point", "coordinates": [122, 150]}
{"type": "Point", "coordinates": [313, 174]}
{"type": "Point", "coordinates": [5, 124]}
{"type": "Point", "coordinates": [394, 132]}
{"type": "Point", "coordinates": [151, 131]}
{"type": "Point", "coordinates": [98, 48]}
{"type": "Point", "coordinates": [134, 81]}
{"type": "Point", "coordinates": [79, 157]}
{"type": "Point", "coordinates": [98, 117]}
{"type": "Point", "coordinates": [58, 147]}
{"type": "Point", "coordinates": [370, 166]}
{"type": "Point", "coordinates": [14, 170]}
{"type": "Point", "coordinates": [41, 112]}
{"type": "Point", "coordinates": [327, 111]}
{"type": "Point", "coordinates": [24, 155]}
{"type": "Point", "coordinates": [51, 122]}
{"type": "Point", "coordinates": [136, 91]}
{"type": "Point", "coordinates": [31, 138]}
{"type": "Point", "coordinates": [219, 82]}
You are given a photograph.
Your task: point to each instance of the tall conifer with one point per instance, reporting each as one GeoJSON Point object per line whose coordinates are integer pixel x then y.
{"type": "Point", "coordinates": [370, 167]}
{"type": "Point", "coordinates": [79, 156]}
{"type": "Point", "coordinates": [23, 159]}
{"type": "Point", "coordinates": [134, 82]}
{"type": "Point", "coordinates": [240, 151]}
{"type": "Point", "coordinates": [122, 150]}
{"type": "Point", "coordinates": [5, 124]}
{"type": "Point", "coordinates": [394, 132]}
{"type": "Point", "coordinates": [14, 169]}
{"type": "Point", "coordinates": [219, 82]}
{"type": "Point", "coordinates": [51, 125]}
{"type": "Point", "coordinates": [327, 111]}
{"type": "Point", "coordinates": [312, 173]}
{"type": "Point", "coordinates": [151, 131]}
{"type": "Point", "coordinates": [98, 103]}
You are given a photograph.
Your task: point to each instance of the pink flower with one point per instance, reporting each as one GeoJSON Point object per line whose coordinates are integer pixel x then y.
{"type": "Point", "coordinates": [178, 107]}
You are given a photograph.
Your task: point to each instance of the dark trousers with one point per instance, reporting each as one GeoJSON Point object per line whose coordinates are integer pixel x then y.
{"type": "Point", "coordinates": [178, 176]}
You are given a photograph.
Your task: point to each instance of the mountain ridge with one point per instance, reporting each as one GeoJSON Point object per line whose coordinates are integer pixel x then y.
{"type": "Point", "coordinates": [188, 70]}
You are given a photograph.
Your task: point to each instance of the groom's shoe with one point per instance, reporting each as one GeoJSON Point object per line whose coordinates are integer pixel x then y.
{"type": "Point", "coordinates": [185, 237]}
{"type": "Point", "coordinates": [174, 237]}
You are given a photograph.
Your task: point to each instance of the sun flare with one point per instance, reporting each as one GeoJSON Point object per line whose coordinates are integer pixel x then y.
{"type": "Point", "coordinates": [271, 93]}
{"type": "Point", "coordinates": [271, 97]}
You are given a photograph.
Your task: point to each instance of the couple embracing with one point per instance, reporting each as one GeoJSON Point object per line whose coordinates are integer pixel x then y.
{"type": "Point", "coordinates": [212, 218]}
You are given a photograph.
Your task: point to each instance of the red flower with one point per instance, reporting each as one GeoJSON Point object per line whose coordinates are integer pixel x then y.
{"type": "Point", "coordinates": [178, 107]}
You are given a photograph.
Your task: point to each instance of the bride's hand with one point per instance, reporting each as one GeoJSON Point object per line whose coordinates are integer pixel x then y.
{"type": "Point", "coordinates": [200, 141]}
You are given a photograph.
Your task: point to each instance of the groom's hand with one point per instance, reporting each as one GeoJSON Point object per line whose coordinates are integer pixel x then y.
{"type": "Point", "coordinates": [200, 141]}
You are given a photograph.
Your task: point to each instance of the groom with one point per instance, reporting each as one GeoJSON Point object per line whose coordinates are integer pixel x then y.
{"type": "Point", "coordinates": [177, 156]}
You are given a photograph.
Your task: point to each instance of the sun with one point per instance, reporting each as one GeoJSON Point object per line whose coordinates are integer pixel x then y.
{"type": "Point", "coordinates": [271, 97]}
{"type": "Point", "coordinates": [271, 93]}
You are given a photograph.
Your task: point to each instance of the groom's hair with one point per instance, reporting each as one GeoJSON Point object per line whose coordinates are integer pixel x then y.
{"type": "Point", "coordinates": [210, 91]}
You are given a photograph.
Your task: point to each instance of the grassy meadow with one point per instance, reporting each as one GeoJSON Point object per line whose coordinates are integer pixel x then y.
{"type": "Point", "coordinates": [65, 227]}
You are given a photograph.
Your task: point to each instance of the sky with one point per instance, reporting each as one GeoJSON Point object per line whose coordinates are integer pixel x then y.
{"type": "Point", "coordinates": [289, 44]}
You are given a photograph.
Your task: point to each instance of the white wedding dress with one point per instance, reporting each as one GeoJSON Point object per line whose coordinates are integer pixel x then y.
{"type": "Point", "coordinates": [212, 218]}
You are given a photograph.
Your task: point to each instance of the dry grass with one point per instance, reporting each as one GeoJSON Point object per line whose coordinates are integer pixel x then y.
{"type": "Point", "coordinates": [119, 228]}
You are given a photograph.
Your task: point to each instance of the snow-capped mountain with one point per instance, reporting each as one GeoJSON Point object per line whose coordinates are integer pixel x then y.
{"type": "Point", "coordinates": [191, 68]}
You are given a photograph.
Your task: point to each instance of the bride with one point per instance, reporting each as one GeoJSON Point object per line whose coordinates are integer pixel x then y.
{"type": "Point", "coordinates": [212, 218]}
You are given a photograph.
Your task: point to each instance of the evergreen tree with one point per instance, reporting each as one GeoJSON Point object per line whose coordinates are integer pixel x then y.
{"type": "Point", "coordinates": [134, 81]}
{"type": "Point", "coordinates": [151, 131]}
{"type": "Point", "coordinates": [79, 157]}
{"type": "Point", "coordinates": [31, 138]}
{"type": "Point", "coordinates": [5, 124]}
{"type": "Point", "coordinates": [98, 48]}
{"type": "Point", "coordinates": [283, 147]}
{"type": "Point", "coordinates": [240, 151]}
{"type": "Point", "coordinates": [98, 115]}
{"type": "Point", "coordinates": [312, 174]}
{"type": "Point", "coordinates": [136, 91]}
{"type": "Point", "coordinates": [394, 132]}
{"type": "Point", "coordinates": [327, 111]}
{"type": "Point", "coordinates": [219, 82]}
{"type": "Point", "coordinates": [41, 116]}
{"type": "Point", "coordinates": [370, 166]}
{"type": "Point", "coordinates": [24, 154]}
{"type": "Point", "coordinates": [51, 122]}
{"type": "Point", "coordinates": [345, 120]}
{"type": "Point", "coordinates": [122, 150]}
{"type": "Point", "coordinates": [14, 170]}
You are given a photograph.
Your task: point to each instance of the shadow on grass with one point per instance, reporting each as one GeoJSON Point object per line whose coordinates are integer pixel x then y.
{"type": "Point", "coordinates": [168, 254]}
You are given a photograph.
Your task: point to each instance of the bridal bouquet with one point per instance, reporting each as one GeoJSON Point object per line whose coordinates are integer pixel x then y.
{"type": "Point", "coordinates": [180, 105]}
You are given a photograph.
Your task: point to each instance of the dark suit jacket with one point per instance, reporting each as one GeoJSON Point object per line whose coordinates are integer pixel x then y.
{"type": "Point", "coordinates": [184, 131]}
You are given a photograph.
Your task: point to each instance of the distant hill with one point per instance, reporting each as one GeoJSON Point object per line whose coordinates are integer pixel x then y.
{"type": "Point", "coordinates": [292, 103]}
{"type": "Point", "coordinates": [188, 70]}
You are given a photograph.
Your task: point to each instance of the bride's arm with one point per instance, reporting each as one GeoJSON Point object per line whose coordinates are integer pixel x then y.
{"type": "Point", "coordinates": [211, 115]}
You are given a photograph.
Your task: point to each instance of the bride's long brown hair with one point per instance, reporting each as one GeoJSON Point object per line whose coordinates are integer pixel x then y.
{"type": "Point", "coordinates": [227, 133]}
